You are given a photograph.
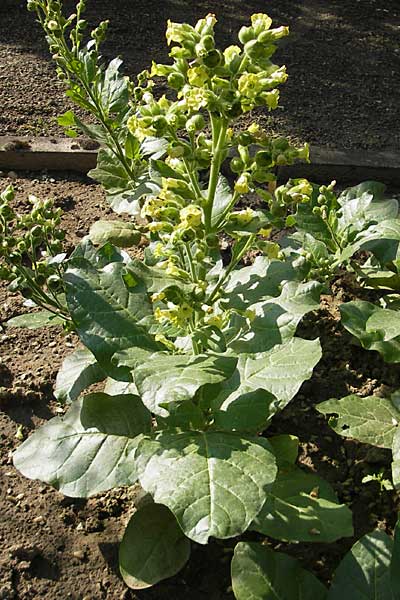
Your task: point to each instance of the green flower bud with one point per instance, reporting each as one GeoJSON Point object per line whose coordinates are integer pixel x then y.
{"type": "Point", "coordinates": [195, 123]}
{"type": "Point", "coordinates": [213, 59]}
{"type": "Point", "coordinates": [54, 283]}
{"type": "Point", "coordinates": [246, 34]}
{"type": "Point", "coordinates": [237, 165]}
{"type": "Point", "coordinates": [26, 292]}
{"type": "Point", "coordinates": [264, 159]}
{"type": "Point", "coordinates": [176, 81]}
{"type": "Point", "coordinates": [31, 5]}
{"type": "Point", "coordinates": [52, 25]}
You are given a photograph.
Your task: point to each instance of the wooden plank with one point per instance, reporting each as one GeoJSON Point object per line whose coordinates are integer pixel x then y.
{"type": "Point", "coordinates": [51, 154]}
{"type": "Point", "coordinates": [66, 154]}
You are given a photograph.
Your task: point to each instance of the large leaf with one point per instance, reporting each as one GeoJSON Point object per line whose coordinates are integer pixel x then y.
{"type": "Point", "coordinates": [43, 318]}
{"type": "Point", "coordinates": [367, 323]}
{"type": "Point", "coordinates": [110, 309]}
{"type": "Point", "coordinates": [396, 459]}
{"type": "Point", "coordinates": [395, 562]}
{"type": "Point", "coordinates": [362, 206]}
{"type": "Point", "coordinates": [119, 233]}
{"type": "Point", "coordinates": [153, 547]}
{"type": "Point", "coordinates": [114, 88]}
{"type": "Point", "coordinates": [302, 507]}
{"type": "Point", "coordinates": [262, 279]}
{"type": "Point", "coordinates": [364, 572]}
{"type": "Point", "coordinates": [90, 449]}
{"type": "Point", "coordinates": [239, 402]}
{"type": "Point", "coordinates": [163, 378]}
{"type": "Point", "coordinates": [222, 200]}
{"type": "Point", "coordinates": [259, 573]}
{"type": "Point", "coordinates": [378, 238]}
{"type": "Point", "coordinates": [275, 320]}
{"type": "Point", "coordinates": [371, 420]}
{"type": "Point", "coordinates": [214, 482]}
{"type": "Point", "coordinates": [78, 370]}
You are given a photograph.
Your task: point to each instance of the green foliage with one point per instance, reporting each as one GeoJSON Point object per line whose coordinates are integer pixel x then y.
{"type": "Point", "coordinates": [197, 341]}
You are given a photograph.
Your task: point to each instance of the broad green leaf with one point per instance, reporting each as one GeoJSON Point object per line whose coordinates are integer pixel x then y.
{"type": "Point", "coordinates": [371, 420]}
{"type": "Point", "coordinates": [377, 238]}
{"type": "Point", "coordinates": [43, 318]}
{"type": "Point", "coordinates": [286, 448]}
{"type": "Point", "coordinates": [303, 508]}
{"type": "Point", "coordinates": [214, 482]}
{"type": "Point", "coordinates": [239, 402]}
{"type": "Point", "coordinates": [154, 147]}
{"type": "Point", "coordinates": [313, 224]}
{"type": "Point", "coordinates": [116, 388]}
{"type": "Point", "coordinates": [155, 279]}
{"type": "Point", "coordinates": [110, 172]}
{"type": "Point", "coordinates": [275, 320]}
{"type": "Point", "coordinates": [262, 279]}
{"type": "Point", "coordinates": [396, 459]}
{"type": "Point", "coordinates": [78, 370]}
{"type": "Point", "coordinates": [259, 573]}
{"type": "Point", "coordinates": [114, 88]}
{"type": "Point", "coordinates": [153, 547]}
{"type": "Point", "coordinates": [364, 573]}
{"type": "Point", "coordinates": [110, 309]}
{"type": "Point", "coordinates": [183, 416]}
{"type": "Point", "coordinates": [89, 450]}
{"type": "Point", "coordinates": [361, 208]}
{"type": "Point", "coordinates": [122, 235]}
{"type": "Point", "coordinates": [166, 378]}
{"type": "Point", "coordinates": [366, 322]}
{"type": "Point", "coordinates": [395, 562]}
{"type": "Point", "coordinates": [222, 200]}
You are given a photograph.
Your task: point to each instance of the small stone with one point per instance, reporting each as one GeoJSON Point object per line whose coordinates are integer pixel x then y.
{"type": "Point", "coordinates": [79, 554]}
{"type": "Point", "coordinates": [20, 496]}
{"type": "Point", "coordinates": [24, 551]}
{"type": "Point", "coordinates": [39, 519]}
{"type": "Point", "coordinates": [24, 565]}
{"type": "Point", "coordinates": [12, 175]}
{"type": "Point", "coordinates": [80, 527]}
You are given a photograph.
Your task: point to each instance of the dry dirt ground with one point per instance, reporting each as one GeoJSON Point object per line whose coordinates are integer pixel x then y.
{"type": "Point", "coordinates": [343, 60]}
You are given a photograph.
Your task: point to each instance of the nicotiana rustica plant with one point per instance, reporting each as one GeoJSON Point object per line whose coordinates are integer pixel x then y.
{"type": "Point", "coordinates": [197, 349]}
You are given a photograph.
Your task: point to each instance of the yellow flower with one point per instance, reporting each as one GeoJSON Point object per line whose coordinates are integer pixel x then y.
{"type": "Point", "coordinates": [231, 52]}
{"type": "Point", "coordinates": [191, 215]}
{"type": "Point", "coordinates": [197, 76]}
{"type": "Point", "coordinates": [242, 184]}
{"type": "Point", "coordinates": [260, 22]}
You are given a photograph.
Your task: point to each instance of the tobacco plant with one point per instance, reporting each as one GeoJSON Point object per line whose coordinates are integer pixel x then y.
{"type": "Point", "coordinates": [197, 347]}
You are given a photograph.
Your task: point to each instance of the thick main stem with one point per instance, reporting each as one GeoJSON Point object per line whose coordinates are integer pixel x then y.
{"type": "Point", "coordinates": [219, 127]}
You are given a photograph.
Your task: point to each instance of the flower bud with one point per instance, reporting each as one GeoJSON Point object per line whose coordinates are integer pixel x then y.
{"type": "Point", "coordinates": [246, 34]}
{"type": "Point", "coordinates": [52, 25]}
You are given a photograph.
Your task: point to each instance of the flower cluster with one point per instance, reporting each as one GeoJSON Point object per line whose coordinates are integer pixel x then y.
{"type": "Point", "coordinates": [30, 248]}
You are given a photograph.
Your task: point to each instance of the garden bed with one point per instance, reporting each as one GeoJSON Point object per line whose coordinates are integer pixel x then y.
{"type": "Point", "coordinates": [53, 546]}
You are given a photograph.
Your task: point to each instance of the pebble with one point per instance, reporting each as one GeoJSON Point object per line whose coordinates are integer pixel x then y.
{"type": "Point", "coordinates": [12, 175]}
{"type": "Point", "coordinates": [79, 554]}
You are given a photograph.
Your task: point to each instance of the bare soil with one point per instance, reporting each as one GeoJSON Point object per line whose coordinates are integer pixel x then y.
{"type": "Point", "coordinates": [343, 61]}
{"type": "Point", "coordinates": [343, 91]}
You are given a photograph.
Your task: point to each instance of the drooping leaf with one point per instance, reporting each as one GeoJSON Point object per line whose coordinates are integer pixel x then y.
{"type": "Point", "coordinates": [122, 235]}
{"type": "Point", "coordinates": [214, 482]}
{"type": "Point", "coordinates": [367, 322]}
{"type": "Point", "coordinates": [259, 573]}
{"type": "Point", "coordinates": [239, 402]}
{"type": "Point", "coordinates": [90, 449]}
{"type": "Point", "coordinates": [302, 507]}
{"type": "Point", "coordinates": [153, 547]}
{"type": "Point", "coordinates": [110, 309]}
{"type": "Point", "coordinates": [364, 573]}
{"type": "Point", "coordinates": [371, 420]}
{"type": "Point", "coordinates": [275, 320]}
{"type": "Point", "coordinates": [154, 147]}
{"type": "Point", "coordinates": [78, 371]}
{"type": "Point", "coordinates": [182, 376]}
{"type": "Point", "coordinates": [43, 318]}
{"type": "Point", "coordinates": [377, 238]}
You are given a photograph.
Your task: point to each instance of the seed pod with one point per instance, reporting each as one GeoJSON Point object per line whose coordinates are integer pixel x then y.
{"type": "Point", "coordinates": [176, 80]}
{"type": "Point", "coordinates": [195, 123]}
{"type": "Point", "coordinates": [237, 165]}
{"type": "Point", "coordinates": [213, 58]}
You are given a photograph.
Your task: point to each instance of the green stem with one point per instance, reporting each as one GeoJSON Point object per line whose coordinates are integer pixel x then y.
{"type": "Point", "coordinates": [192, 266]}
{"type": "Point", "coordinates": [230, 268]}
